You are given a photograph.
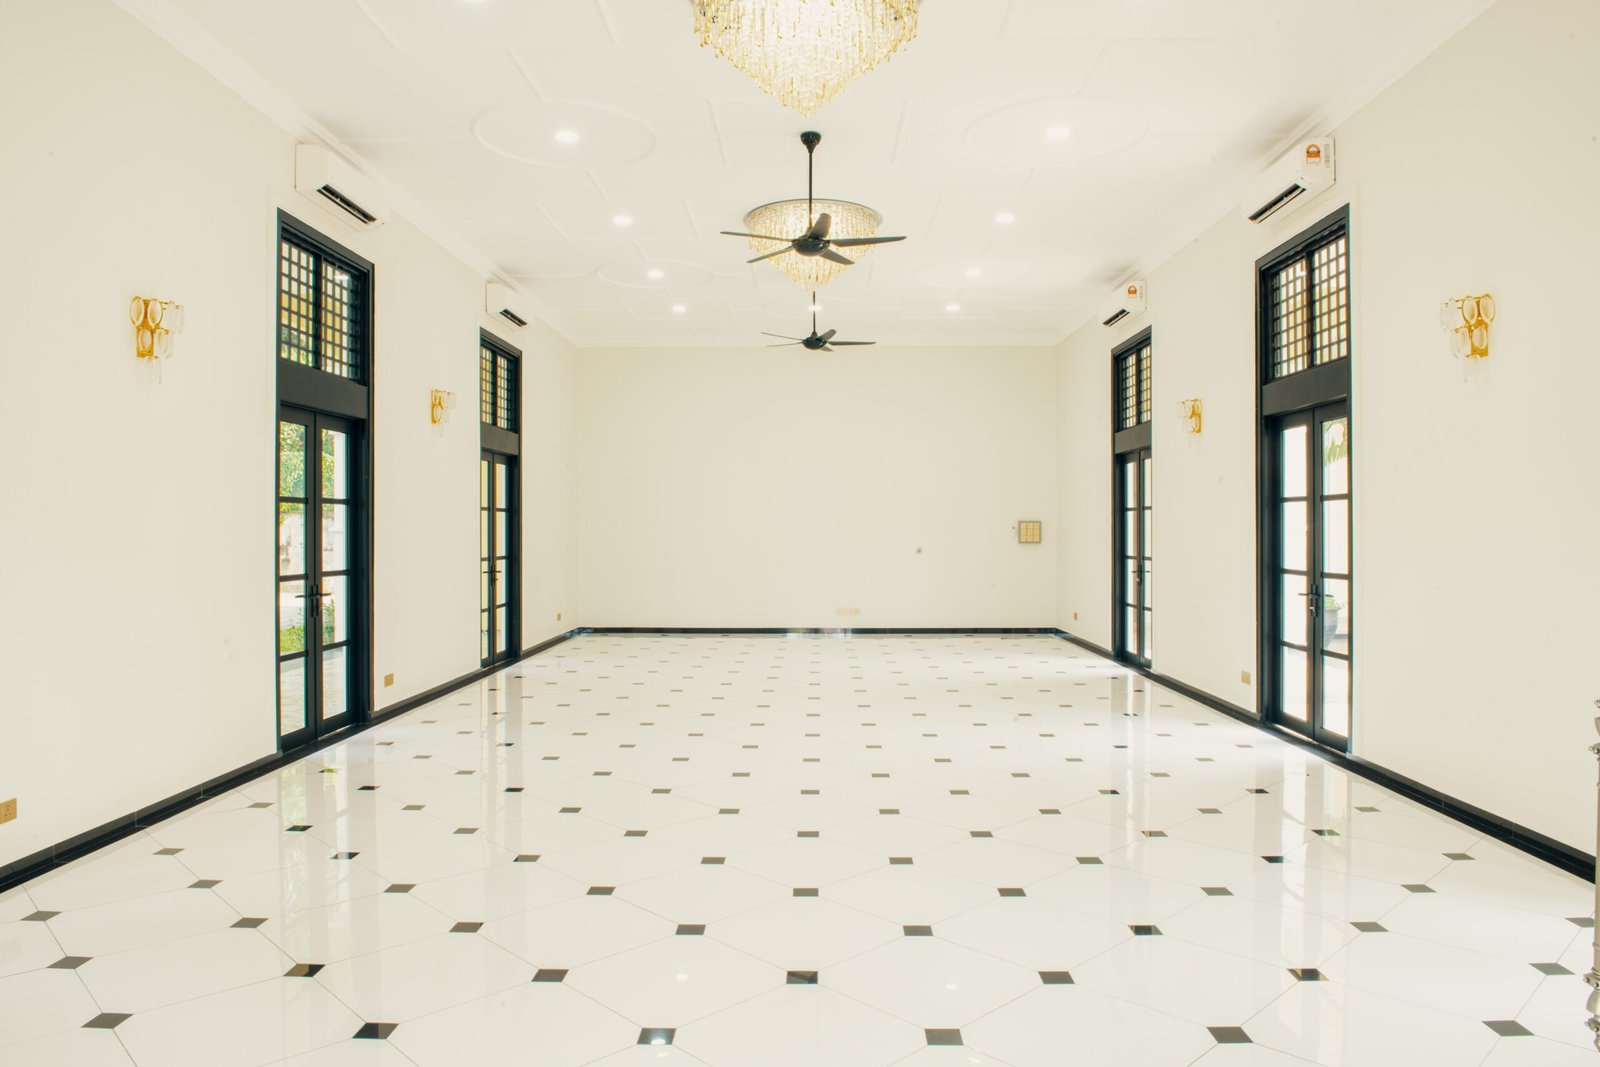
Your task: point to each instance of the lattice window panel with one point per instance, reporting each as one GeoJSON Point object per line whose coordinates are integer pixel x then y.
{"type": "Point", "coordinates": [1309, 301]}
{"type": "Point", "coordinates": [498, 384]}
{"type": "Point", "coordinates": [1133, 388]}
{"type": "Point", "coordinates": [319, 311]}
{"type": "Point", "coordinates": [486, 384]}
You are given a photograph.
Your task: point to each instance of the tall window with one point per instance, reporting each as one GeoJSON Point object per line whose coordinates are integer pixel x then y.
{"type": "Point", "coordinates": [320, 305]}
{"type": "Point", "coordinates": [1306, 484]}
{"type": "Point", "coordinates": [497, 374]}
{"type": "Point", "coordinates": [499, 504]}
{"type": "Point", "coordinates": [1131, 478]}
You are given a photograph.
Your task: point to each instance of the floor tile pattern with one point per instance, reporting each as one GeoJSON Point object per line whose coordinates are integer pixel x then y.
{"type": "Point", "coordinates": [721, 851]}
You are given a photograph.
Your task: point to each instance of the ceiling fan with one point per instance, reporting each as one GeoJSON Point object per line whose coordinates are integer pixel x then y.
{"type": "Point", "coordinates": [815, 241]}
{"type": "Point", "coordinates": [822, 342]}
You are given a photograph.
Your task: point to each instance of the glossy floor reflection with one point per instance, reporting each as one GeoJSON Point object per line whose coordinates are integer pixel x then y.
{"type": "Point", "coordinates": [923, 851]}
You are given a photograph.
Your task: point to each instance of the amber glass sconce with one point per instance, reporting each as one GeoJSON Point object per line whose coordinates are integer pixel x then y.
{"type": "Point", "coordinates": [440, 403]}
{"type": "Point", "coordinates": [154, 322]}
{"type": "Point", "coordinates": [1190, 411]}
{"type": "Point", "coordinates": [1468, 318]}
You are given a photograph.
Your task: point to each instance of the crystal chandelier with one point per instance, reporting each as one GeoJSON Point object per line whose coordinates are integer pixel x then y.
{"type": "Point", "coordinates": [796, 217]}
{"type": "Point", "coordinates": [804, 52]}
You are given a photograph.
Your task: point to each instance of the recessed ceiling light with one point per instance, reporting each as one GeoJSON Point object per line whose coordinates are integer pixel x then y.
{"type": "Point", "coordinates": [566, 137]}
{"type": "Point", "coordinates": [952, 308]}
{"type": "Point", "coordinates": [1005, 218]}
{"type": "Point", "coordinates": [655, 274]}
{"type": "Point", "coordinates": [679, 309]}
{"type": "Point", "coordinates": [974, 272]}
{"type": "Point", "coordinates": [622, 220]}
{"type": "Point", "coordinates": [1057, 133]}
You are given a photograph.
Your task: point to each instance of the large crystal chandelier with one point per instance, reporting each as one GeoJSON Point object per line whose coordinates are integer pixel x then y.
{"type": "Point", "coordinates": [795, 217]}
{"type": "Point", "coordinates": [804, 52]}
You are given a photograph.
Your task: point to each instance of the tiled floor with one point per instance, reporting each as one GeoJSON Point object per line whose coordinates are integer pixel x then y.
{"type": "Point", "coordinates": [764, 852]}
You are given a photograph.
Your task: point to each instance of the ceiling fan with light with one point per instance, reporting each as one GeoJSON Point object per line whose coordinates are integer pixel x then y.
{"type": "Point", "coordinates": [817, 342]}
{"type": "Point", "coordinates": [815, 242]}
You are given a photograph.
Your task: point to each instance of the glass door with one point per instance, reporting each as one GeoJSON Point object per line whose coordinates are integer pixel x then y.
{"type": "Point", "coordinates": [320, 663]}
{"type": "Point", "coordinates": [1312, 571]}
{"type": "Point", "coordinates": [497, 573]}
{"type": "Point", "coordinates": [1133, 557]}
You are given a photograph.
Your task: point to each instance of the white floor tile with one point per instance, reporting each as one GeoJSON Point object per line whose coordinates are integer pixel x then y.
{"type": "Point", "coordinates": [535, 1022]}
{"type": "Point", "coordinates": [674, 981]}
{"type": "Point", "coordinates": [1066, 1024]}
{"type": "Point", "coordinates": [801, 1026]}
{"type": "Point", "coordinates": [409, 981]}
{"type": "Point", "coordinates": [930, 982]}
{"type": "Point", "coordinates": [255, 1024]}
{"type": "Point", "coordinates": [805, 933]}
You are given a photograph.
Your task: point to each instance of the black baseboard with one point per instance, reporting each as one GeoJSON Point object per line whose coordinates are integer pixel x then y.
{"type": "Point", "coordinates": [28, 867]}
{"type": "Point", "coordinates": [1557, 854]}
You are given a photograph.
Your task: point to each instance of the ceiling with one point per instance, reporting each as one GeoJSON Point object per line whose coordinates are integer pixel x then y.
{"type": "Point", "coordinates": [1171, 105]}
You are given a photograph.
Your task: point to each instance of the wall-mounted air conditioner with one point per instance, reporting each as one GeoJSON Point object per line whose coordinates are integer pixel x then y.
{"type": "Point", "coordinates": [320, 174]}
{"type": "Point", "coordinates": [1127, 300]}
{"type": "Point", "coordinates": [506, 303]}
{"type": "Point", "coordinates": [1303, 172]}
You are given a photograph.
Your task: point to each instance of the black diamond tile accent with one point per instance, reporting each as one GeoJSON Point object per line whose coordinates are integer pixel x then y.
{"type": "Point", "coordinates": [1307, 974]}
{"type": "Point", "coordinates": [549, 974]}
{"type": "Point", "coordinates": [1459, 857]}
{"type": "Point", "coordinates": [1326, 833]}
{"type": "Point", "coordinates": [248, 923]}
{"type": "Point", "coordinates": [413, 807]}
{"type": "Point", "coordinates": [262, 804]}
{"type": "Point", "coordinates": [298, 828]}
{"type": "Point", "coordinates": [375, 1031]}
{"type": "Point", "coordinates": [601, 890]}
{"type": "Point", "coordinates": [1257, 792]}
{"type": "Point", "coordinates": [69, 963]}
{"type": "Point", "coordinates": [658, 792]}
{"type": "Point", "coordinates": [168, 851]}
{"type": "Point", "coordinates": [802, 978]}
{"type": "Point", "coordinates": [713, 861]}
{"type": "Point", "coordinates": [981, 833]}
{"type": "Point", "coordinates": [1089, 861]}
{"type": "Point", "coordinates": [899, 861]}
{"type": "Point", "coordinates": [1049, 811]}
{"type": "Point", "coordinates": [960, 792]}
{"type": "Point", "coordinates": [1012, 892]}
{"type": "Point", "coordinates": [466, 928]}
{"type": "Point", "coordinates": [401, 887]}
{"type": "Point", "coordinates": [344, 855]}
{"type": "Point", "coordinates": [657, 1035]}
{"type": "Point", "coordinates": [918, 931]}
{"type": "Point", "coordinates": [513, 789]}
{"type": "Point", "coordinates": [1508, 1028]}
{"type": "Point", "coordinates": [1419, 888]}
{"type": "Point", "coordinates": [1145, 930]}
{"type": "Point", "coordinates": [1362, 807]}
{"type": "Point", "coordinates": [690, 929]}
{"type": "Point", "coordinates": [888, 811]}
{"type": "Point", "coordinates": [806, 891]}
{"type": "Point", "coordinates": [1109, 793]}
{"type": "Point", "coordinates": [634, 833]}
{"type": "Point", "coordinates": [1583, 922]}
{"type": "Point", "coordinates": [807, 833]}
{"type": "Point", "coordinates": [1210, 811]}
{"type": "Point", "coordinates": [1273, 859]}
{"type": "Point", "coordinates": [107, 1020]}
{"type": "Point", "coordinates": [943, 1037]}
{"type": "Point", "coordinates": [466, 829]}
{"type": "Point", "coordinates": [1216, 891]}
{"type": "Point", "coordinates": [527, 857]}
{"type": "Point", "coordinates": [1229, 1035]}
{"type": "Point", "coordinates": [1056, 977]}
{"type": "Point", "coordinates": [569, 811]}
{"type": "Point", "coordinates": [303, 970]}
{"type": "Point", "coordinates": [46, 916]}
{"type": "Point", "coordinates": [205, 883]}
{"type": "Point", "coordinates": [1154, 833]}
{"type": "Point", "coordinates": [1368, 927]}
{"type": "Point", "coordinates": [1550, 968]}
{"type": "Point", "coordinates": [727, 811]}
{"type": "Point", "coordinates": [367, 789]}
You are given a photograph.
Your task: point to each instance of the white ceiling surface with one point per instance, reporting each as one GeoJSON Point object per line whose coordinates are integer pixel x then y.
{"type": "Point", "coordinates": [1172, 105]}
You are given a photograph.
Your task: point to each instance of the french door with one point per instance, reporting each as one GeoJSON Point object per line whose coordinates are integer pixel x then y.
{"type": "Point", "coordinates": [1133, 643]}
{"type": "Point", "coordinates": [498, 580]}
{"type": "Point", "coordinates": [322, 664]}
{"type": "Point", "coordinates": [1310, 575]}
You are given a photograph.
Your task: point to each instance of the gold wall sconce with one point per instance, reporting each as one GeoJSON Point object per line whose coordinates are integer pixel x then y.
{"type": "Point", "coordinates": [154, 322]}
{"type": "Point", "coordinates": [1190, 411]}
{"type": "Point", "coordinates": [440, 403]}
{"type": "Point", "coordinates": [1468, 318]}
{"type": "Point", "coordinates": [1030, 532]}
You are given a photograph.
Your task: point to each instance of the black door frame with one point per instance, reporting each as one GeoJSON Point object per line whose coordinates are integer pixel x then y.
{"type": "Point", "coordinates": [503, 444]}
{"type": "Point", "coordinates": [1125, 442]}
{"type": "Point", "coordinates": [1318, 388]}
{"type": "Point", "coordinates": [307, 390]}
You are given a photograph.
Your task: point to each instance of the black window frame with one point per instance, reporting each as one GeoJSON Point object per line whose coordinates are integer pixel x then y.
{"type": "Point", "coordinates": [293, 232]}
{"type": "Point", "coordinates": [499, 386]}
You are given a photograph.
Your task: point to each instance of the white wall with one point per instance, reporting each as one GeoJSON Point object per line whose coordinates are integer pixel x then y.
{"type": "Point", "coordinates": [773, 487]}
{"type": "Point", "coordinates": [1475, 504]}
{"type": "Point", "coordinates": [136, 556]}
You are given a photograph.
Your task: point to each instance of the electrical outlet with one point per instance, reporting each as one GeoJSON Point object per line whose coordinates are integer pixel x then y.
{"type": "Point", "coordinates": [388, 680]}
{"type": "Point", "coordinates": [849, 611]}
{"type": "Point", "coordinates": [1074, 616]}
{"type": "Point", "coordinates": [558, 616]}
{"type": "Point", "coordinates": [1244, 676]}
{"type": "Point", "coordinates": [8, 809]}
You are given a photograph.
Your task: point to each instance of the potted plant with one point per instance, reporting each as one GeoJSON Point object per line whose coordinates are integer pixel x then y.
{"type": "Point", "coordinates": [1330, 618]}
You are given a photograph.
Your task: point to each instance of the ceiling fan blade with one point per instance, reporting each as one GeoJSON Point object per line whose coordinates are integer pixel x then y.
{"type": "Point", "coordinates": [820, 228]}
{"type": "Point", "coordinates": [834, 257]}
{"type": "Point", "coordinates": [825, 338]}
{"type": "Point", "coordinates": [757, 236]}
{"type": "Point", "coordinates": [853, 342]}
{"type": "Point", "coordinates": [769, 255]}
{"type": "Point", "coordinates": [852, 242]}
{"type": "Point", "coordinates": [785, 336]}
